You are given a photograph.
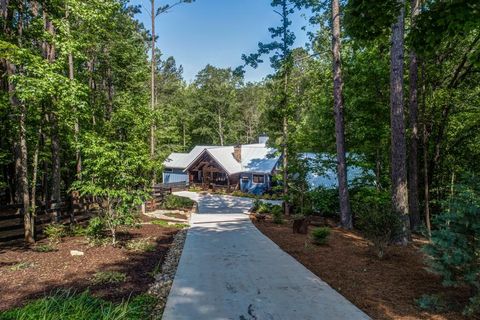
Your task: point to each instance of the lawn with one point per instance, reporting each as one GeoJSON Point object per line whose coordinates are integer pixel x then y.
{"type": "Point", "coordinates": [384, 289]}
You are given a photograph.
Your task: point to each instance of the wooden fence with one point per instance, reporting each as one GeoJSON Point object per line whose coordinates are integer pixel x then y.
{"type": "Point", "coordinates": [11, 221]}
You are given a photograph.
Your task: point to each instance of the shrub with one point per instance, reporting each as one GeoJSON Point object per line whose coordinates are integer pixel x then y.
{"type": "Point", "coordinates": [55, 232]}
{"type": "Point", "coordinates": [320, 235]}
{"type": "Point", "coordinates": [375, 218]}
{"type": "Point", "coordinates": [256, 205]}
{"type": "Point", "coordinates": [105, 277]}
{"type": "Point", "coordinates": [276, 209]}
{"type": "Point", "coordinates": [77, 230]}
{"type": "Point", "coordinates": [68, 305]}
{"type": "Point", "coordinates": [173, 202]}
{"type": "Point", "coordinates": [95, 228]}
{"type": "Point", "coordinates": [325, 201]}
{"type": "Point", "coordinates": [277, 215]}
{"type": "Point", "coordinates": [431, 302]}
{"type": "Point", "coordinates": [454, 250]}
{"type": "Point", "coordinates": [22, 266]}
{"type": "Point", "coordinates": [44, 248]}
{"type": "Point", "coordinates": [265, 208]}
{"type": "Point", "coordinates": [140, 245]}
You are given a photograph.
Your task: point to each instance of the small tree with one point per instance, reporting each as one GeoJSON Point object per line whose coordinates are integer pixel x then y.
{"type": "Point", "coordinates": [116, 174]}
{"type": "Point", "coordinates": [454, 249]}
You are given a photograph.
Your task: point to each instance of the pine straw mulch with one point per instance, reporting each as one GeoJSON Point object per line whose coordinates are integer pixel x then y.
{"type": "Point", "coordinates": [26, 274]}
{"type": "Point", "coordinates": [384, 289]}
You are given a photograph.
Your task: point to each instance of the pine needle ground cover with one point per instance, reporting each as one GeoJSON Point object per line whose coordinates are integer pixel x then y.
{"type": "Point", "coordinates": [387, 288]}
{"type": "Point", "coordinates": [51, 271]}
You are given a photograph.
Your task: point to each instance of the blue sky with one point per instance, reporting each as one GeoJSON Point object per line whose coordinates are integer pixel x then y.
{"type": "Point", "coordinates": [217, 32]}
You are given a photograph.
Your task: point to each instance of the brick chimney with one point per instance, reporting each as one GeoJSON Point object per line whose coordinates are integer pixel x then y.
{"type": "Point", "coordinates": [237, 152]}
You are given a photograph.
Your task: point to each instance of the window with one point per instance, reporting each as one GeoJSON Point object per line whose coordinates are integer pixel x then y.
{"type": "Point", "coordinates": [258, 178]}
{"type": "Point", "coordinates": [168, 170]}
{"type": "Point", "coordinates": [245, 179]}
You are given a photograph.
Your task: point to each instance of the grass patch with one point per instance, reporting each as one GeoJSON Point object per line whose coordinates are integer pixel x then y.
{"type": "Point", "coordinates": [66, 305]}
{"type": "Point", "coordinates": [44, 248]}
{"type": "Point", "coordinates": [173, 202]}
{"type": "Point", "coordinates": [166, 224]}
{"type": "Point", "coordinates": [140, 245]}
{"type": "Point", "coordinates": [104, 277]}
{"type": "Point", "coordinates": [22, 266]}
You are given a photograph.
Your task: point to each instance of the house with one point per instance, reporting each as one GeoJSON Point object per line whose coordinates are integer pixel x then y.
{"type": "Point", "coordinates": [248, 167]}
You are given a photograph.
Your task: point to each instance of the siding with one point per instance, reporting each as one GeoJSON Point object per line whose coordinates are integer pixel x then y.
{"type": "Point", "coordinates": [176, 175]}
{"type": "Point", "coordinates": [255, 188]}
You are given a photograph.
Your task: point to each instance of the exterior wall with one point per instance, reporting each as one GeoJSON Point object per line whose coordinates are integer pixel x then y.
{"type": "Point", "coordinates": [251, 187]}
{"type": "Point", "coordinates": [174, 175]}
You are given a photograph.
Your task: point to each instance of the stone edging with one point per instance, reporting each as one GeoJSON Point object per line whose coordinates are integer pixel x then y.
{"type": "Point", "coordinates": [164, 280]}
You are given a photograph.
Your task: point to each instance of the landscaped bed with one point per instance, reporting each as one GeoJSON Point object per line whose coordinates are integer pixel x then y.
{"type": "Point", "coordinates": [112, 273]}
{"type": "Point", "coordinates": [384, 289]}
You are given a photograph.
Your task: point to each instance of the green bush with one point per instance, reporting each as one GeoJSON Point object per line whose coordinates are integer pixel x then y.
{"type": "Point", "coordinates": [66, 305]}
{"type": "Point", "coordinates": [375, 218]}
{"type": "Point", "coordinates": [325, 201]}
{"type": "Point", "coordinates": [454, 250]}
{"type": "Point", "coordinates": [44, 248]}
{"type": "Point", "coordinates": [320, 235]}
{"type": "Point", "coordinates": [431, 302]}
{"type": "Point", "coordinates": [77, 230]}
{"type": "Point", "coordinates": [277, 214]}
{"type": "Point", "coordinates": [55, 232]}
{"type": "Point", "coordinates": [173, 202]}
{"type": "Point", "coordinates": [95, 228]}
{"type": "Point", "coordinates": [264, 208]}
{"type": "Point", "coordinates": [104, 277]}
{"type": "Point", "coordinates": [256, 205]}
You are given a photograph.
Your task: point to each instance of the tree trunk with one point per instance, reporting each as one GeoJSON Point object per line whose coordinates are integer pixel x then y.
{"type": "Point", "coordinates": [21, 161]}
{"type": "Point", "coordinates": [398, 143]}
{"type": "Point", "coordinates": [345, 211]}
{"type": "Point", "coordinates": [220, 129]}
{"type": "Point", "coordinates": [413, 116]}
{"type": "Point", "coordinates": [152, 127]}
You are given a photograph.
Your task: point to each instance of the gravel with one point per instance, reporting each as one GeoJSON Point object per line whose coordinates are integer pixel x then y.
{"type": "Point", "coordinates": [164, 279]}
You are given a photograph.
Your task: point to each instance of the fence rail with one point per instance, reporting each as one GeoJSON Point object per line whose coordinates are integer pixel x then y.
{"type": "Point", "coordinates": [12, 224]}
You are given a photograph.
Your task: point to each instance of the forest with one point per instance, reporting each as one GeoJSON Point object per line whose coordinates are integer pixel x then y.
{"type": "Point", "coordinates": [89, 107]}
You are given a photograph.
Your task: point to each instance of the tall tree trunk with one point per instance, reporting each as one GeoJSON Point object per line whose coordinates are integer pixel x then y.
{"type": "Point", "coordinates": [152, 127]}
{"type": "Point", "coordinates": [286, 204]}
{"type": "Point", "coordinates": [345, 211]}
{"type": "Point", "coordinates": [220, 128]}
{"type": "Point", "coordinates": [398, 143]}
{"type": "Point", "coordinates": [414, 210]}
{"type": "Point", "coordinates": [49, 51]}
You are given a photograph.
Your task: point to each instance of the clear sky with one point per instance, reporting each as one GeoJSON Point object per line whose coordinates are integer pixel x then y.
{"type": "Point", "coordinates": [216, 32]}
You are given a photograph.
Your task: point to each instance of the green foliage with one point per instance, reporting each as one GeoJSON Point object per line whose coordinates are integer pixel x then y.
{"type": "Point", "coordinates": [55, 232]}
{"type": "Point", "coordinates": [325, 201]}
{"type": "Point", "coordinates": [256, 205]}
{"type": "Point", "coordinates": [108, 277]}
{"type": "Point", "coordinates": [432, 302]}
{"type": "Point", "coordinates": [375, 218]}
{"type": "Point", "coordinates": [277, 215]}
{"type": "Point", "coordinates": [22, 266]}
{"type": "Point", "coordinates": [95, 228]}
{"type": "Point", "coordinates": [44, 248]}
{"type": "Point", "coordinates": [67, 305]}
{"type": "Point", "coordinates": [453, 251]}
{"type": "Point", "coordinates": [141, 245]}
{"type": "Point", "coordinates": [320, 235]}
{"type": "Point", "coordinates": [114, 172]}
{"type": "Point", "coordinates": [167, 224]}
{"type": "Point", "coordinates": [173, 202]}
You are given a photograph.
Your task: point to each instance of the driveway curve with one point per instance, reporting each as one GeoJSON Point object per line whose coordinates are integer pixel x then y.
{"type": "Point", "coordinates": [230, 270]}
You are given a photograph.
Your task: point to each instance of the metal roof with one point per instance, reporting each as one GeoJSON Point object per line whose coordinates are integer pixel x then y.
{"type": "Point", "coordinates": [257, 158]}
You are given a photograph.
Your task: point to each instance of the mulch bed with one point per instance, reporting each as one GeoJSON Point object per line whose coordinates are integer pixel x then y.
{"type": "Point", "coordinates": [51, 271]}
{"type": "Point", "coordinates": [384, 289]}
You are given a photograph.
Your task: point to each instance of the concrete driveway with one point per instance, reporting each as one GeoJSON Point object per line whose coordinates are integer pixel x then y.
{"type": "Point", "coordinates": [229, 270]}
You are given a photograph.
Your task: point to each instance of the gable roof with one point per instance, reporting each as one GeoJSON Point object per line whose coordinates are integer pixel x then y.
{"type": "Point", "coordinates": [256, 158]}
